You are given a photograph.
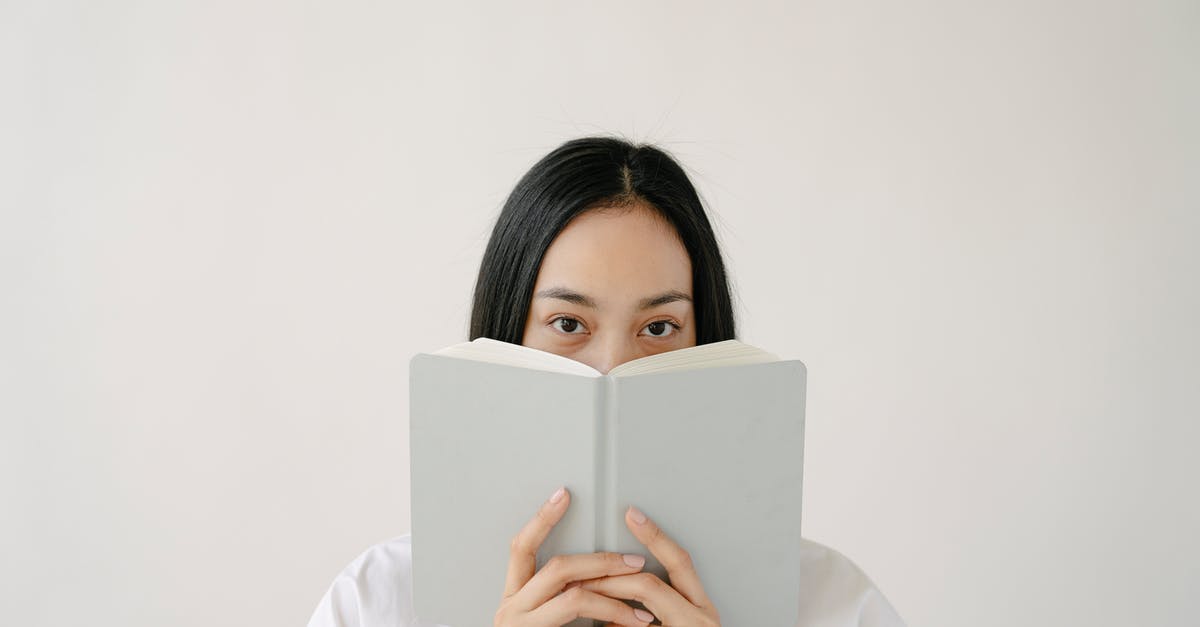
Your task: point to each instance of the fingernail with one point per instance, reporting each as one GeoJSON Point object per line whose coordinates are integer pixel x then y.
{"type": "Point", "coordinates": [643, 615]}
{"type": "Point", "coordinates": [558, 494]}
{"type": "Point", "coordinates": [638, 516]}
{"type": "Point", "coordinates": [636, 561]}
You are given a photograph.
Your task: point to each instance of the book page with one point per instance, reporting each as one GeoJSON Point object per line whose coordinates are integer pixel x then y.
{"type": "Point", "coordinates": [486, 349]}
{"type": "Point", "coordinates": [714, 354]}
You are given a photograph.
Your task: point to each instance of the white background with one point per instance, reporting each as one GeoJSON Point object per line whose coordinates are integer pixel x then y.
{"type": "Point", "coordinates": [226, 226]}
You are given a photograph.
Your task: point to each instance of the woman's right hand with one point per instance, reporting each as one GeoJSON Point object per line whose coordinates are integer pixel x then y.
{"type": "Point", "coordinates": [546, 598]}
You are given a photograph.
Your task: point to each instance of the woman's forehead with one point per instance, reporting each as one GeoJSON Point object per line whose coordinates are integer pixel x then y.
{"type": "Point", "coordinates": [617, 255]}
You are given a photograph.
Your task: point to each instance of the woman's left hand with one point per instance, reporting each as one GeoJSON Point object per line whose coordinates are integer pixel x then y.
{"type": "Point", "coordinates": [680, 603]}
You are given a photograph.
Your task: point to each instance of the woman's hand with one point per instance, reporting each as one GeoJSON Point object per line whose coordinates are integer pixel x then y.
{"type": "Point", "coordinates": [682, 602]}
{"type": "Point", "coordinates": [542, 599]}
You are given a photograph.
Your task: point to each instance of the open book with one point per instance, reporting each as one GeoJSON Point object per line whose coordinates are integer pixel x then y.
{"type": "Point", "coordinates": [708, 441]}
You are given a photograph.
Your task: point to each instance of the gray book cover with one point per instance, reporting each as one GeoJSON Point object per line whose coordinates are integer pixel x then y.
{"type": "Point", "coordinates": [713, 455]}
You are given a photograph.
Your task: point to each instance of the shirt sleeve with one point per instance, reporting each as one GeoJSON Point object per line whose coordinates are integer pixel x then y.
{"type": "Point", "coordinates": [374, 590]}
{"type": "Point", "coordinates": [835, 592]}
{"type": "Point", "coordinates": [877, 612]}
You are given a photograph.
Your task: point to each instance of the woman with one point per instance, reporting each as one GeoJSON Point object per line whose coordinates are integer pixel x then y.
{"type": "Point", "coordinates": [603, 254]}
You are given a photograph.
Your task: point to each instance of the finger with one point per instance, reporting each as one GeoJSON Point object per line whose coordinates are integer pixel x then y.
{"type": "Point", "coordinates": [673, 557]}
{"type": "Point", "coordinates": [580, 603]}
{"type": "Point", "coordinates": [561, 570]}
{"type": "Point", "coordinates": [522, 555]}
{"type": "Point", "coordinates": [645, 588]}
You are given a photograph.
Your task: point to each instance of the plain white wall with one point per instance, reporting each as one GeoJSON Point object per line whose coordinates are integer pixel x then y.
{"type": "Point", "coordinates": [226, 226]}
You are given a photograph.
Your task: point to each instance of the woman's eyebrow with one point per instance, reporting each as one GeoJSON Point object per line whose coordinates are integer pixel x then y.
{"type": "Point", "coordinates": [662, 299]}
{"type": "Point", "coordinates": [571, 296]}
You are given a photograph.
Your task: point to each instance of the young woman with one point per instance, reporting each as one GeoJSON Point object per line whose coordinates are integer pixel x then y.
{"type": "Point", "coordinates": [603, 254]}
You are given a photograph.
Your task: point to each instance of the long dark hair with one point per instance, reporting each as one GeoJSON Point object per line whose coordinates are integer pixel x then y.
{"type": "Point", "coordinates": [582, 174]}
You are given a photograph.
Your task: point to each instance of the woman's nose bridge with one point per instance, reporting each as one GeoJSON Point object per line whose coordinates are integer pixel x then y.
{"type": "Point", "coordinates": [614, 351]}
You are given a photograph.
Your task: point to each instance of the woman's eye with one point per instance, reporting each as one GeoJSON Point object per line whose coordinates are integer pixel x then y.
{"type": "Point", "coordinates": [661, 328]}
{"type": "Point", "coordinates": [567, 325]}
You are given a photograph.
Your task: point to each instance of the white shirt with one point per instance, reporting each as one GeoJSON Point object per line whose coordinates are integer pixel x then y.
{"type": "Point", "coordinates": [375, 590]}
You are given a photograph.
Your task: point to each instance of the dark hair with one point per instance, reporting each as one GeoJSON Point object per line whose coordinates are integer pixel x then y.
{"type": "Point", "coordinates": [583, 174]}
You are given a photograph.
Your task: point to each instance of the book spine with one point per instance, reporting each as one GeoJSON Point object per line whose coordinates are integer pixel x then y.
{"type": "Point", "coordinates": [606, 464]}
